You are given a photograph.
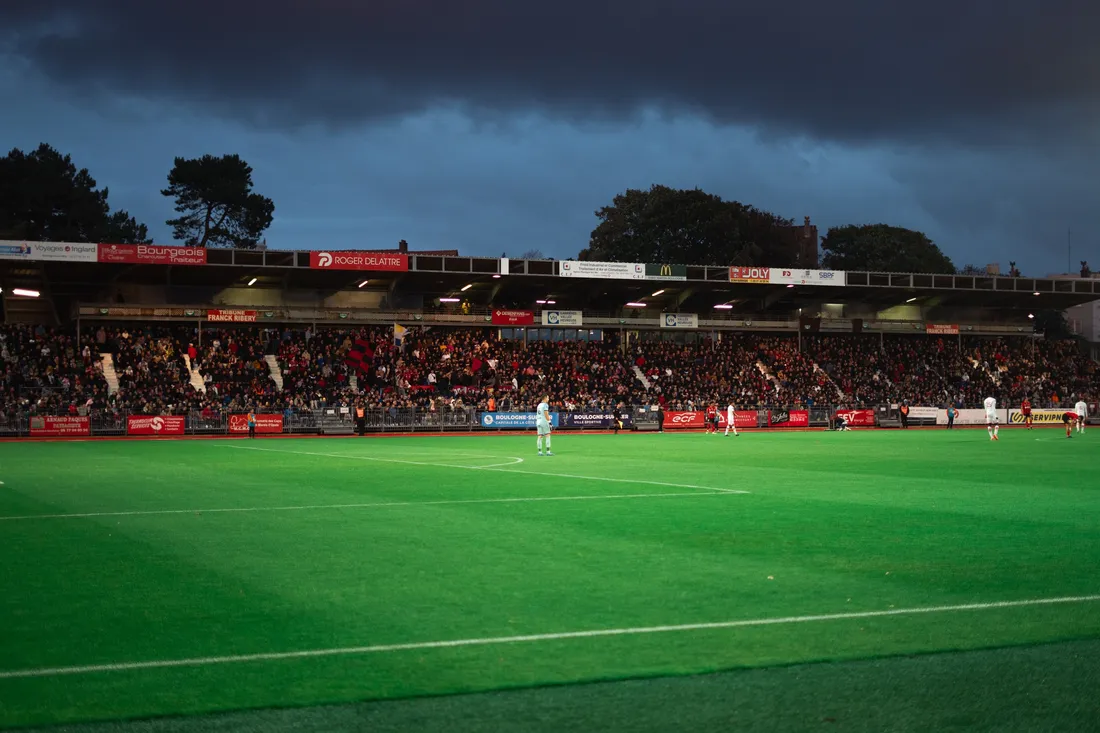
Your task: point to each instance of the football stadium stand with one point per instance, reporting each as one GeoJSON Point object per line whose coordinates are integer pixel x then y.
{"type": "Point", "coordinates": [436, 341]}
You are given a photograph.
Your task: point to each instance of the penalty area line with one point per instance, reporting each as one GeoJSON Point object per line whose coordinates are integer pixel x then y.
{"type": "Point", "coordinates": [526, 639]}
{"type": "Point", "coordinates": [493, 467]}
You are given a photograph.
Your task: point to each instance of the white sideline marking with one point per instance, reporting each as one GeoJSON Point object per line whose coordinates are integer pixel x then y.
{"type": "Point", "coordinates": [370, 505]}
{"type": "Point", "coordinates": [493, 640]}
{"type": "Point", "coordinates": [490, 468]}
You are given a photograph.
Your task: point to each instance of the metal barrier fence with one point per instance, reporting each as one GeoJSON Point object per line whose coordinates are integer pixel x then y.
{"type": "Point", "coordinates": [341, 419]}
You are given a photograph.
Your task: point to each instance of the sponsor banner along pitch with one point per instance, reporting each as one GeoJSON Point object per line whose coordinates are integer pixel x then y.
{"type": "Point", "coordinates": [696, 419]}
{"type": "Point", "coordinates": [1038, 417]}
{"type": "Point", "coordinates": [593, 420]}
{"type": "Point", "coordinates": [156, 425]}
{"type": "Point", "coordinates": [264, 423]}
{"type": "Point", "coordinates": [971, 417]}
{"type": "Point", "coordinates": [513, 420]}
{"type": "Point", "coordinates": [858, 418]}
{"type": "Point", "coordinates": [54, 426]}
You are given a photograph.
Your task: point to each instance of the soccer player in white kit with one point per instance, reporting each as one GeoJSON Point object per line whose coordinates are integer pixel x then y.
{"type": "Point", "coordinates": [1082, 410]}
{"type": "Point", "coordinates": [542, 424]}
{"type": "Point", "coordinates": [991, 420]}
{"type": "Point", "coordinates": [730, 422]}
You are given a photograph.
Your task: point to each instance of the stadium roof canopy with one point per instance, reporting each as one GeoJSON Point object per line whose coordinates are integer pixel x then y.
{"type": "Point", "coordinates": [520, 283]}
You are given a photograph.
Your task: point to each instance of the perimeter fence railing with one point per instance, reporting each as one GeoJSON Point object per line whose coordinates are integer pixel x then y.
{"type": "Point", "coordinates": [344, 419]}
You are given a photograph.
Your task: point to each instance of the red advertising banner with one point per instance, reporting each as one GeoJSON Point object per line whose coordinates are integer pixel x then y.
{"type": "Point", "coordinates": [43, 426]}
{"type": "Point", "coordinates": [264, 423]}
{"type": "Point", "coordinates": [231, 316]}
{"type": "Point", "coordinates": [942, 329]}
{"type": "Point", "coordinates": [791, 419]}
{"type": "Point", "coordinates": [697, 419]}
{"type": "Point", "coordinates": [759, 275]}
{"type": "Point", "coordinates": [513, 318]}
{"type": "Point", "coordinates": [156, 425]}
{"type": "Point", "coordinates": [858, 418]}
{"type": "Point", "coordinates": [151, 254]}
{"type": "Point", "coordinates": [351, 260]}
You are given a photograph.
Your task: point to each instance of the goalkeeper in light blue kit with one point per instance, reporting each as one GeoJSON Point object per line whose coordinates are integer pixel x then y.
{"type": "Point", "coordinates": [542, 424]}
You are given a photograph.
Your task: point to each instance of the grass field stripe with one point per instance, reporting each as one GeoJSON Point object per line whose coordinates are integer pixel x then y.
{"type": "Point", "coordinates": [369, 505]}
{"type": "Point", "coordinates": [529, 638]}
{"type": "Point", "coordinates": [491, 468]}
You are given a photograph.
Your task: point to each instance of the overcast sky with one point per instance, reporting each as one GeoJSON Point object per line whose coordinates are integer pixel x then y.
{"type": "Point", "coordinates": [500, 126]}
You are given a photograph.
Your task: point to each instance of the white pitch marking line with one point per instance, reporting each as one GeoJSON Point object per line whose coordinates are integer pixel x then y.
{"type": "Point", "coordinates": [491, 468]}
{"type": "Point", "coordinates": [515, 462]}
{"type": "Point", "coordinates": [528, 638]}
{"type": "Point", "coordinates": [371, 505]}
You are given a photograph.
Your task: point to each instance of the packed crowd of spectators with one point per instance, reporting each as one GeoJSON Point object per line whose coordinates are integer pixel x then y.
{"type": "Point", "coordinates": [51, 371]}
{"type": "Point", "coordinates": [48, 372]}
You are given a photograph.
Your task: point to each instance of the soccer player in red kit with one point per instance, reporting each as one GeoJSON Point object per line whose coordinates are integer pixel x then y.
{"type": "Point", "coordinates": [1069, 419]}
{"type": "Point", "coordinates": [712, 419]}
{"type": "Point", "coordinates": [1025, 410]}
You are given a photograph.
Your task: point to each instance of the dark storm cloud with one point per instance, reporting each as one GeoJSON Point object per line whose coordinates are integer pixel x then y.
{"type": "Point", "coordinates": [848, 69]}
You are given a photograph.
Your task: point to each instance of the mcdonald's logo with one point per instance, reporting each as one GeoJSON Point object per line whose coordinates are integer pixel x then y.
{"type": "Point", "coordinates": [666, 272]}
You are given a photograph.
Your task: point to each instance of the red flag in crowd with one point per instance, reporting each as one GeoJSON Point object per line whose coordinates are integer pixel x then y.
{"type": "Point", "coordinates": [360, 356]}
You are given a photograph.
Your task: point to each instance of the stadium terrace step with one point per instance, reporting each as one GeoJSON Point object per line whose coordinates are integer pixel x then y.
{"type": "Point", "coordinates": [641, 376]}
{"type": "Point", "coordinates": [196, 376]}
{"type": "Point", "coordinates": [276, 371]}
{"type": "Point", "coordinates": [109, 373]}
{"type": "Point", "coordinates": [353, 381]}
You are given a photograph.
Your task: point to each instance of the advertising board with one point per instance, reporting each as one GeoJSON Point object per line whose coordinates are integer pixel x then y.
{"type": "Point", "coordinates": [563, 318]}
{"type": "Point", "coordinates": [1038, 417]}
{"type": "Point", "coordinates": [679, 320]}
{"type": "Point", "coordinates": [503, 317]}
{"type": "Point", "coordinates": [355, 260]}
{"type": "Point", "coordinates": [757, 275]}
{"type": "Point", "coordinates": [264, 424]}
{"type": "Point", "coordinates": [788, 418]}
{"type": "Point", "coordinates": [807, 277]}
{"type": "Point", "coordinates": [48, 251]}
{"type": "Point", "coordinates": [150, 254]}
{"type": "Point", "coordinates": [593, 420]}
{"type": "Point", "coordinates": [697, 419]}
{"type": "Point", "coordinates": [602, 270]}
{"type": "Point", "coordinates": [156, 425]}
{"type": "Point", "coordinates": [512, 420]}
{"type": "Point", "coordinates": [53, 426]}
{"type": "Point", "coordinates": [858, 418]}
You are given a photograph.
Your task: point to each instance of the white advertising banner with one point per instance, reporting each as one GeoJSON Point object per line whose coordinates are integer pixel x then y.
{"type": "Point", "coordinates": [970, 417]}
{"type": "Point", "coordinates": [925, 413]}
{"type": "Point", "coordinates": [807, 277]}
{"type": "Point", "coordinates": [679, 320]}
{"type": "Point", "coordinates": [49, 251]}
{"type": "Point", "coordinates": [602, 270]}
{"type": "Point", "coordinates": [562, 318]}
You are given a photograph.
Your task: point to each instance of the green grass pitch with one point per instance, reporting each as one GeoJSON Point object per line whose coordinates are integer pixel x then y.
{"type": "Point", "coordinates": [168, 578]}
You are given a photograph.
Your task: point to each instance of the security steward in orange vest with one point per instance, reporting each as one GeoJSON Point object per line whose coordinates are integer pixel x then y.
{"type": "Point", "coordinates": [904, 409]}
{"type": "Point", "coordinates": [360, 419]}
